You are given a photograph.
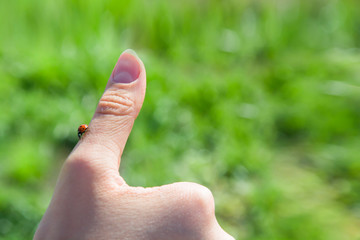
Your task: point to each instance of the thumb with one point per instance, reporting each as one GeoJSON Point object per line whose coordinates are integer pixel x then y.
{"type": "Point", "coordinates": [109, 129]}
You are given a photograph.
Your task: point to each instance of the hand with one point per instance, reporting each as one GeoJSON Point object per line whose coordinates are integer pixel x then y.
{"type": "Point", "coordinates": [92, 201]}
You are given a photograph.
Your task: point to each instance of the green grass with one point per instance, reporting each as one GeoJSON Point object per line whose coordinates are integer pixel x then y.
{"type": "Point", "coordinates": [257, 100]}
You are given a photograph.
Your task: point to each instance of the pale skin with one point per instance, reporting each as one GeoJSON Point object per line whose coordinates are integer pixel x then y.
{"type": "Point", "coordinates": [92, 201]}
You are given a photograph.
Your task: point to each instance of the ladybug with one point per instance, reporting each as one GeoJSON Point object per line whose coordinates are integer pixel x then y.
{"type": "Point", "coordinates": [82, 129]}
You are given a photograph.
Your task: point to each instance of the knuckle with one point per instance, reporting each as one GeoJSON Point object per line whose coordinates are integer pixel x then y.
{"type": "Point", "coordinates": [202, 200]}
{"type": "Point", "coordinates": [198, 204]}
{"type": "Point", "coordinates": [116, 102]}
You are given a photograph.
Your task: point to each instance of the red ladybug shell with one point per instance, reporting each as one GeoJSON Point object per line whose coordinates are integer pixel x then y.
{"type": "Point", "coordinates": [82, 129]}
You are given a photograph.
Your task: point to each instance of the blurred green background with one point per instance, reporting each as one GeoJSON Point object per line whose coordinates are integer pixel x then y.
{"type": "Point", "coordinates": [257, 100]}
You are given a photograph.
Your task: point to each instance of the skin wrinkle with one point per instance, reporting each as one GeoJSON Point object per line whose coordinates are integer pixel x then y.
{"type": "Point", "coordinates": [117, 211]}
{"type": "Point", "coordinates": [118, 102]}
{"type": "Point", "coordinates": [122, 100]}
{"type": "Point", "coordinates": [114, 108]}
